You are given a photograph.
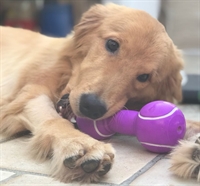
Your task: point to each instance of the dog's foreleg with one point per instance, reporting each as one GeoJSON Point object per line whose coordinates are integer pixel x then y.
{"type": "Point", "coordinates": [74, 155]}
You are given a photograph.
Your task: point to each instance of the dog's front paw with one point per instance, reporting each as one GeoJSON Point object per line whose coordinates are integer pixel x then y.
{"type": "Point", "coordinates": [74, 155]}
{"type": "Point", "coordinates": [81, 159]}
{"type": "Point", "coordinates": [185, 159]}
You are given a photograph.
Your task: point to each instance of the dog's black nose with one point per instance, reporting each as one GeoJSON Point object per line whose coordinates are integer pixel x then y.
{"type": "Point", "coordinates": [91, 106]}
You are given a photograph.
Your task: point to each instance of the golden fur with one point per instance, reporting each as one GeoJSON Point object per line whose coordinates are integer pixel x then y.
{"type": "Point", "coordinates": [37, 70]}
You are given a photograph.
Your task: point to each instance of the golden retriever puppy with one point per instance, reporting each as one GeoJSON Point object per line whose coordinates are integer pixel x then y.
{"type": "Point", "coordinates": [116, 56]}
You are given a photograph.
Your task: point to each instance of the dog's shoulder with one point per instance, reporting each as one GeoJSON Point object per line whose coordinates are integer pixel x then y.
{"type": "Point", "coordinates": [16, 34]}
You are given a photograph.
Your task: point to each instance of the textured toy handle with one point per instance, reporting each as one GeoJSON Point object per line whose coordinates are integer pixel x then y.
{"type": "Point", "coordinates": [123, 122]}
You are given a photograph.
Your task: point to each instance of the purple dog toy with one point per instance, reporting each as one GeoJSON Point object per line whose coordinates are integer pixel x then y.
{"type": "Point", "coordinates": [158, 126]}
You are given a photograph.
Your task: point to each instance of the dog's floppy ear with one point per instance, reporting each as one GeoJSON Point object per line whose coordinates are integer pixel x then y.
{"type": "Point", "coordinates": [169, 88]}
{"type": "Point", "coordinates": [89, 22]}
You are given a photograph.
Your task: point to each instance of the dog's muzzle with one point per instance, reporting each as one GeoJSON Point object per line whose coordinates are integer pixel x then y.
{"type": "Point", "coordinates": [91, 106]}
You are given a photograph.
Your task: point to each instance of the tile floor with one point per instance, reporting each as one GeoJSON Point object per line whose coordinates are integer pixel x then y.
{"type": "Point", "coordinates": [133, 165]}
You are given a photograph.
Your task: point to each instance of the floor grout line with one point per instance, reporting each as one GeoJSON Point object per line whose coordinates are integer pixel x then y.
{"type": "Point", "coordinates": [107, 184]}
{"type": "Point", "coordinates": [9, 178]}
{"type": "Point", "coordinates": [143, 170]}
{"type": "Point", "coordinates": [19, 172]}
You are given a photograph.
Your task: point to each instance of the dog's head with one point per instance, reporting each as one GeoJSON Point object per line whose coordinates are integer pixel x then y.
{"type": "Point", "coordinates": [125, 55]}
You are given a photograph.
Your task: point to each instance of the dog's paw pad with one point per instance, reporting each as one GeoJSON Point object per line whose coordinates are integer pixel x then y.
{"type": "Point", "coordinates": [79, 161]}
{"type": "Point", "coordinates": [71, 161]}
{"type": "Point", "coordinates": [90, 166]}
{"type": "Point", "coordinates": [105, 169]}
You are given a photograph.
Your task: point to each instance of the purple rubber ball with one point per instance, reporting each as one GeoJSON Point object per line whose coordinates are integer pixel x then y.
{"type": "Point", "coordinates": [160, 125]}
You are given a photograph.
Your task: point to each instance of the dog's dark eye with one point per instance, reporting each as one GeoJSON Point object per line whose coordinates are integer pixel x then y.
{"type": "Point", "coordinates": [143, 77]}
{"type": "Point", "coordinates": [112, 45]}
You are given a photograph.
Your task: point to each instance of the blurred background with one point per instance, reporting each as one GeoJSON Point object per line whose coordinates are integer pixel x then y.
{"type": "Point", "coordinates": [56, 18]}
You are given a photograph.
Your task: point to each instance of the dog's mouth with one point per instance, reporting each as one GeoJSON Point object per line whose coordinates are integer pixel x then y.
{"type": "Point", "coordinates": [90, 106]}
{"type": "Point", "coordinates": [64, 109]}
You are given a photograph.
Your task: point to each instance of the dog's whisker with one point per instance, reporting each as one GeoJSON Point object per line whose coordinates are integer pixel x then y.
{"type": "Point", "coordinates": [125, 108]}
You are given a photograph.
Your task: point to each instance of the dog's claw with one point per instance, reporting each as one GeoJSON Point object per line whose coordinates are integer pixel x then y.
{"type": "Point", "coordinates": [90, 166]}
{"type": "Point", "coordinates": [71, 162]}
